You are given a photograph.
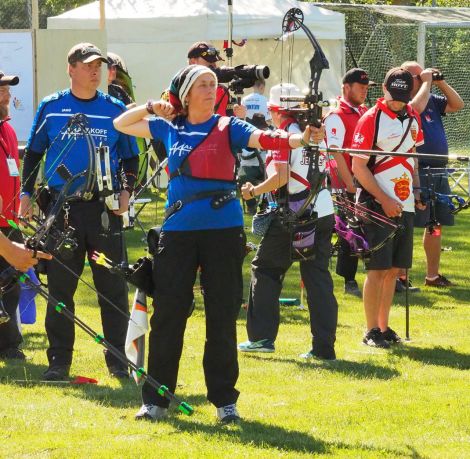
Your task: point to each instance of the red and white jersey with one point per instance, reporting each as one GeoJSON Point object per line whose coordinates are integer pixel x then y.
{"type": "Point", "coordinates": [339, 127]}
{"type": "Point", "coordinates": [298, 172]}
{"type": "Point", "coordinates": [382, 129]}
{"type": "Point", "coordinates": [341, 122]}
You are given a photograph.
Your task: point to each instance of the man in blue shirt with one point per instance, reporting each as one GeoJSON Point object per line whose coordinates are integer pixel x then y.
{"type": "Point", "coordinates": [432, 108]}
{"type": "Point", "coordinates": [96, 227]}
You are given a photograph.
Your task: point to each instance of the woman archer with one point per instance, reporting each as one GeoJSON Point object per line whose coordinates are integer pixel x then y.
{"type": "Point", "coordinates": [203, 228]}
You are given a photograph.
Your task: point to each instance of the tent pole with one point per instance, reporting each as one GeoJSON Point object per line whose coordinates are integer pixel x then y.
{"type": "Point", "coordinates": [102, 15]}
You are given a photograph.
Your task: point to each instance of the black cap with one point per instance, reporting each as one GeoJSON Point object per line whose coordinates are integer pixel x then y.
{"type": "Point", "coordinates": [258, 121]}
{"type": "Point", "coordinates": [399, 83]}
{"type": "Point", "coordinates": [114, 60]}
{"type": "Point", "coordinates": [205, 50]}
{"type": "Point", "coordinates": [86, 53]}
{"type": "Point", "coordinates": [356, 75]}
{"type": "Point", "coordinates": [10, 80]}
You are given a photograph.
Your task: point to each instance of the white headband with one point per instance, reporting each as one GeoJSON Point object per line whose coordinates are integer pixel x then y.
{"type": "Point", "coordinates": [189, 79]}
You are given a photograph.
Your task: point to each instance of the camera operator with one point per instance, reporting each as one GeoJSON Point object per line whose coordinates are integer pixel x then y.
{"type": "Point", "coordinates": [203, 53]}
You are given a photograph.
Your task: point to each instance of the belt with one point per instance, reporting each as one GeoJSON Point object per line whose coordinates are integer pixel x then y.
{"type": "Point", "coordinates": [219, 199]}
{"type": "Point", "coordinates": [55, 194]}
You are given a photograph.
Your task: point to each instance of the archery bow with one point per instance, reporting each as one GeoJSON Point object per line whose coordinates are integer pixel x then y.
{"type": "Point", "coordinates": [311, 113]}
{"type": "Point", "coordinates": [351, 229]}
{"type": "Point", "coordinates": [12, 275]}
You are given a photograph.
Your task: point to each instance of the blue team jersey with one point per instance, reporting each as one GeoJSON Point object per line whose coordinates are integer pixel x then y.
{"type": "Point", "coordinates": [179, 138]}
{"type": "Point", "coordinates": [66, 146]}
{"type": "Point", "coordinates": [435, 141]}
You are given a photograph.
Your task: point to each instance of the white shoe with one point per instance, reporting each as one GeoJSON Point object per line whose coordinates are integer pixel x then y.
{"type": "Point", "coordinates": [151, 413]}
{"type": "Point", "coordinates": [228, 414]}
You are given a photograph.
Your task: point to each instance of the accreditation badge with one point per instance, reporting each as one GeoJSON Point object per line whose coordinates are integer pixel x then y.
{"type": "Point", "coordinates": [12, 167]}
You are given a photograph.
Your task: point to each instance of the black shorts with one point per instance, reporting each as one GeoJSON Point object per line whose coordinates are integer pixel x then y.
{"type": "Point", "coordinates": [397, 252]}
{"type": "Point", "coordinates": [441, 185]}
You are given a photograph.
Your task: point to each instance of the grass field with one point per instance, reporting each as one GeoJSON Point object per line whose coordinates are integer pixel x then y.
{"type": "Point", "coordinates": [412, 401]}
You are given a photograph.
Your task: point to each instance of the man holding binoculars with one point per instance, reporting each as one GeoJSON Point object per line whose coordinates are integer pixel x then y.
{"type": "Point", "coordinates": [432, 108]}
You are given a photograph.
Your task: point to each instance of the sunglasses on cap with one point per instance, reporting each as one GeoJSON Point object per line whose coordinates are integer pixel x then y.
{"type": "Point", "coordinates": [210, 52]}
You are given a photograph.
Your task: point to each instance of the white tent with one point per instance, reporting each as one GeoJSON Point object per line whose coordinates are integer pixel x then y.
{"type": "Point", "coordinates": [153, 37]}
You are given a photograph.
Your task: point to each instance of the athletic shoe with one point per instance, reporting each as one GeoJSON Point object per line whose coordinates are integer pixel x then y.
{"type": "Point", "coordinates": [391, 336]}
{"type": "Point", "coordinates": [152, 413]}
{"type": "Point", "coordinates": [12, 353]}
{"type": "Point", "coordinates": [374, 337]}
{"type": "Point", "coordinates": [56, 373]}
{"type": "Point", "coordinates": [400, 286]}
{"type": "Point", "coordinates": [228, 414]}
{"type": "Point", "coordinates": [311, 356]}
{"type": "Point", "coordinates": [118, 372]}
{"type": "Point", "coordinates": [351, 288]}
{"type": "Point", "coordinates": [440, 282]}
{"type": "Point", "coordinates": [264, 345]}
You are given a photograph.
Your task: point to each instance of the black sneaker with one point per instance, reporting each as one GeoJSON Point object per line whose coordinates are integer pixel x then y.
{"type": "Point", "coordinates": [391, 336]}
{"type": "Point", "coordinates": [119, 372]}
{"type": "Point", "coordinates": [351, 288]}
{"type": "Point", "coordinates": [56, 373]}
{"type": "Point", "coordinates": [400, 286]}
{"type": "Point", "coordinates": [440, 281]}
{"type": "Point", "coordinates": [12, 353]}
{"type": "Point", "coordinates": [374, 337]}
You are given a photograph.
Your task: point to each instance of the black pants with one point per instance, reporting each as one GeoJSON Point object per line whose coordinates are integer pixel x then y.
{"type": "Point", "coordinates": [219, 254]}
{"type": "Point", "coordinates": [85, 217]}
{"type": "Point", "coordinates": [346, 264]}
{"type": "Point", "coordinates": [10, 336]}
{"type": "Point", "coordinates": [268, 269]}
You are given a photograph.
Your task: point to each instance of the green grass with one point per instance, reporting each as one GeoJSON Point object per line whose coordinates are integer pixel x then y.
{"type": "Point", "coordinates": [412, 401]}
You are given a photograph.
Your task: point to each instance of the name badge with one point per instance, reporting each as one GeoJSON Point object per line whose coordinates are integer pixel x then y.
{"type": "Point", "coordinates": [12, 167]}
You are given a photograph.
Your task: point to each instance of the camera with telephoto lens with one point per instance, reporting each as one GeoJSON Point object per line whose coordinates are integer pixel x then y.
{"type": "Point", "coordinates": [241, 76]}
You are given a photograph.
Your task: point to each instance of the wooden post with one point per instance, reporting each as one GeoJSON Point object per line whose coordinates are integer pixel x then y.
{"type": "Point", "coordinates": [102, 15]}
{"type": "Point", "coordinates": [34, 15]}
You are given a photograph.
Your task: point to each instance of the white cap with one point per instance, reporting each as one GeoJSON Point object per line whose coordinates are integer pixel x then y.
{"type": "Point", "coordinates": [284, 89]}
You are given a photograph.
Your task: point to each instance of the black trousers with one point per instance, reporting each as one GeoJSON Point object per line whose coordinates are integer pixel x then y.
{"type": "Point", "coordinates": [10, 336]}
{"type": "Point", "coordinates": [219, 254]}
{"type": "Point", "coordinates": [346, 264]}
{"type": "Point", "coordinates": [267, 274]}
{"type": "Point", "coordinates": [85, 217]}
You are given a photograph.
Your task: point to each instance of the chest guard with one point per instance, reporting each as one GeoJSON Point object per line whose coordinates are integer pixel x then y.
{"type": "Point", "coordinates": [213, 158]}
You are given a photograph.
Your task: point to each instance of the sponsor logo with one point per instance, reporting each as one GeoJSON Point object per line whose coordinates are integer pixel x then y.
{"type": "Point", "coordinates": [76, 133]}
{"type": "Point", "coordinates": [66, 110]}
{"type": "Point", "coordinates": [399, 84]}
{"type": "Point", "coordinates": [358, 138]}
{"type": "Point", "coordinates": [402, 187]}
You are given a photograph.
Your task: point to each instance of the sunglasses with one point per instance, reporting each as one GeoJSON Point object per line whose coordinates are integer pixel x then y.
{"type": "Point", "coordinates": [210, 52]}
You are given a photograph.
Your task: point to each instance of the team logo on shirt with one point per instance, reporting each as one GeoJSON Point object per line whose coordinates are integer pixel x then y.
{"type": "Point", "coordinates": [358, 138]}
{"type": "Point", "coordinates": [402, 187]}
{"type": "Point", "coordinates": [180, 149]}
{"type": "Point", "coordinates": [333, 131]}
{"type": "Point", "coordinates": [414, 133]}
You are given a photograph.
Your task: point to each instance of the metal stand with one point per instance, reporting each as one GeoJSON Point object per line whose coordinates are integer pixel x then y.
{"type": "Point", "coordinates": [407, 306]}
